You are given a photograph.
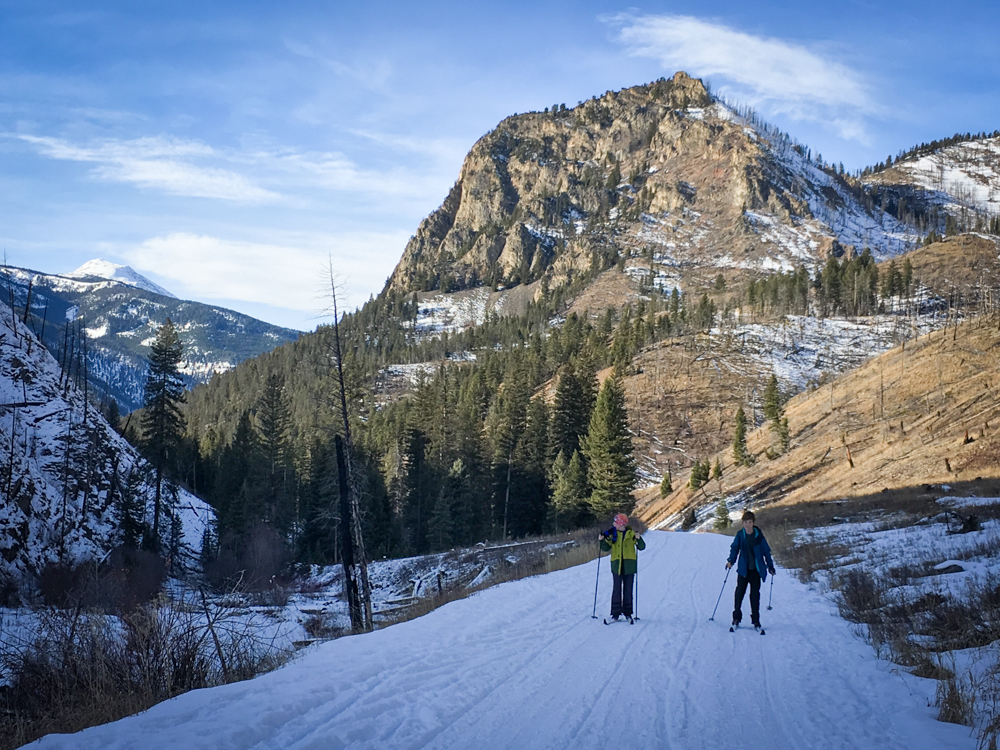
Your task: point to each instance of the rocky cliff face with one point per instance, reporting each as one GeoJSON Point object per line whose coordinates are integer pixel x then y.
{"type": "Point", "coordinates": [662, 176]}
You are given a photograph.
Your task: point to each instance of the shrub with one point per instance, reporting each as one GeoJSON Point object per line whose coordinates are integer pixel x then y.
{"type": "Point", "coordinates": [860, 597]}
{"type": "Point", "coordinates": [79, 670]}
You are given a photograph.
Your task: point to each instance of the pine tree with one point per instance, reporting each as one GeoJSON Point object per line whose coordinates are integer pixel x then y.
{"type": "Point", "coordinates": [690, 520]}
{"type": "Point", "coordinates": [131, 511]}
{"type": "Point", "coordinates": [444, 517]}
{"type": "Point", "coordinates": [529, 503]}
{"type": "Point", "coordinates": [699, 474]}
{"type": "Point", "coordinates": [717, 471]}
{"type": "Point", "coordinates": [783, 435]}
{"type": "Point", "coordinates": [273, 423]}
{"type": "Point", "coordinates": [569, 492]}
{"type": "Point", "coordinates": [506, 425]}
{"type": "Point", "coordinates": [722, 521]}
{"type": "Point", "coordinates": [666, 485]}
{"type": "Point", "coordinates": [608, 449]}
{"type": "Point", "coordinates": [772, 400]}
{"type": "Point", "coordinates": [163, 421]}
{"type": "Point", "coordinates": [570, 416]}
{"type": "Point", "coordinates": [741, 456]}
{"type": "Point", "coordinates": [774, 411]}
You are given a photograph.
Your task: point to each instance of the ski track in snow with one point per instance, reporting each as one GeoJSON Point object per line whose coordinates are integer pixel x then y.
{"type": "Point", "coordinates": [523, 665]}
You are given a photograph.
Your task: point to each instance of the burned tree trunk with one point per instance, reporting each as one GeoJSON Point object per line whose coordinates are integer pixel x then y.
{"type": "Point", "coordinates": [354, 604]}
{"type": "Point", "coordinates": [349, 492]}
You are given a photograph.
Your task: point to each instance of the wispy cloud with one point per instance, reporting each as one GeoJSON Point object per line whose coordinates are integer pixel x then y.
{"type": "Point", "coordinates": [158, 163]}
{"type": "Point", "coordinates": [768, 73]}
{"type": "Point", "coordinates": [371, 75]}
{"type": "Point", "coordinates": [442, 149]}
{"type": "Point", "coordinates": [195, 169]}
{"type": "Point", "coordinates": [287, 273]}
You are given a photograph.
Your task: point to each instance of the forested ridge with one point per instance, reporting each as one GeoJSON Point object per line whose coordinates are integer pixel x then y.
{"type": "Point", "coordinates": [504, 433]}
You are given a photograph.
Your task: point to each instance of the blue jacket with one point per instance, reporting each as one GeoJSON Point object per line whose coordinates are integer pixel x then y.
{"type": "Point", "coordinates": [762, 553]}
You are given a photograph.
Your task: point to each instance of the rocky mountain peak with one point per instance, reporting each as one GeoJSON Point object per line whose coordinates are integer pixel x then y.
{"type": "Point", "coordinates": [660, 177]}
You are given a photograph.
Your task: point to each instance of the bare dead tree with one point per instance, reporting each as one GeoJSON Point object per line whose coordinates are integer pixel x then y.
{"type": "Point", "coordinates": [355, 559]}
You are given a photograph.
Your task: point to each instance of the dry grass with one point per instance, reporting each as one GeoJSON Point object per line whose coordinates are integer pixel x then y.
{"type": "Point", "coordinates": [965, 263]}
{"type": "Point", "coordinates": [903, 418]}
{"type": "Point", "coordinates": [82, 669]}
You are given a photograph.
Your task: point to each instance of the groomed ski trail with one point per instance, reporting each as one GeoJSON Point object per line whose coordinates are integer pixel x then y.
{"type": "Point", "coordinates": [523, 665]}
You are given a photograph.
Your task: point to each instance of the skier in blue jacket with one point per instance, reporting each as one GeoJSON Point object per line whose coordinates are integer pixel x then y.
{"type": "Point", "coordinates": [755, 563]}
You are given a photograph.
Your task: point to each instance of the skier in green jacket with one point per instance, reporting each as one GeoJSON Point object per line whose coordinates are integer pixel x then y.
{"type": "Point", "coordinates": [623, 543]}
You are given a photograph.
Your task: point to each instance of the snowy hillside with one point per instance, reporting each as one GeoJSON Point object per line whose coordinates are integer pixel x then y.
{"type": "Point", "coordinates": [523, 665]}
{"type": "Point", "coordinates": [962, 176]}
{"type": "Point", "coordinates": [104, 269]}
{"type": "Point", "coordinates": [120, 312]}
{"type": "Point", "coordinates": [63, 467]}
{"type": "Point", "coordinates": [785, 242]}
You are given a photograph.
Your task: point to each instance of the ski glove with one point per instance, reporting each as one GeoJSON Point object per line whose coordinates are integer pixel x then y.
{"type": "Point", "coordinates": [728, 565]}
{"type": "Point", "coordinates": [771, 571]}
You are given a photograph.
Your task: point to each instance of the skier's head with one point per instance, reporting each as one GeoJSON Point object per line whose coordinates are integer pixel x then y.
{"type": "Point", "coordinates": [748, 520]}
{"type": "Point", "coordinates": [621, 521]}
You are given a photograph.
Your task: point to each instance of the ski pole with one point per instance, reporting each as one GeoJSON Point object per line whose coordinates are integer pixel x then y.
{"type": "Point", "coordinates": [770, 593]}
{"type": "Point", "coordinates": [594, 614]}
{"type": "Point", "coordinates": [636, 606]}
{"type": "Point", "coordinates": [712, 618]}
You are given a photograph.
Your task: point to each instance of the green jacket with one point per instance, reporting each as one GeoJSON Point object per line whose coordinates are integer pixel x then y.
{"type": "Point", "coordinates": [623, 547]}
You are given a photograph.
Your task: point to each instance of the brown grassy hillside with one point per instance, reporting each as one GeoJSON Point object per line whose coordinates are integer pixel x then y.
{"type": "Point", "coordinates": [966, 262]}
{"type": "Point", "coordinates": [926, 412]}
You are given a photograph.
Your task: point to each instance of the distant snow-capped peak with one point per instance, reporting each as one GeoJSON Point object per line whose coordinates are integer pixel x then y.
{"type": "Point", "coordinates": [104, 269]}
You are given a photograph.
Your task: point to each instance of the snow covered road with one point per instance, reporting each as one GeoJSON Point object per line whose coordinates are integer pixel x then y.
{"type": "Point", "coordinates": [523, 665]}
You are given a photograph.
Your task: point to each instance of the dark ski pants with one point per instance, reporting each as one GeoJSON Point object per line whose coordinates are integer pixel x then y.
{"type": "Point", "coordinates": [621, 594]}
{"type": "Point", "coordinates": [753, 578]}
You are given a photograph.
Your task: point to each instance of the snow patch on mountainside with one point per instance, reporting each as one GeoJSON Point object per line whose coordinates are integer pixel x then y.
{"type": "Point", "coordinates": [68, 467]}
{"type": "Point", "coordinates": [966, 175]}
{"type": "Point", "coordinates": [103, 269]}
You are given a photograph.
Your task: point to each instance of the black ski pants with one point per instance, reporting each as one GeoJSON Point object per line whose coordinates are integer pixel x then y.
{"type": "Point", "coordinates": [621, 594]}
{"type": "Point", "coordinates": [753, 578]}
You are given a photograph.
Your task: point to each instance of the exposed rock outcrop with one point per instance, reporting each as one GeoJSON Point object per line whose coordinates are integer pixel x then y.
{"type": "Point", "coordinates": [661, 173]}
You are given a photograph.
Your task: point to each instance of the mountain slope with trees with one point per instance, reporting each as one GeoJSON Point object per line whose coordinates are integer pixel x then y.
{"type": "Point", "coordinates": [73, 488]}
{"type": "Point", "coordinates": [121, 319]}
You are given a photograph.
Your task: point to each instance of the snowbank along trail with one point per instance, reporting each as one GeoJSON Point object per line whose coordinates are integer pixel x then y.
{"type": "Point", "coordinates": [523, 665]}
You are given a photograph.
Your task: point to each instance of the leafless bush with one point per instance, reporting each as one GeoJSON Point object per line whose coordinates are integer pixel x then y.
{"type": "Point", "coordinates": [128, 578]}
{"type": "Point", "coordinates": [324, 627]}
{"type": "Point", "coordinates": [811, 557]}
{"type": "Point", "coordinates": [81, 669]}
{"type": "Point", "coordinates": [859, 596]}
{"type": "Point", "coordinates": [250, 563]}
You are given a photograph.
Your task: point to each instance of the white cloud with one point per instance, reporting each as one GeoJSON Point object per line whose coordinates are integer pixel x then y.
{"type": "Point", "coordinates": [371, 75]}
{"type": "Point", "coordinates": [288, 273]}
{"type": "Point", "coordinates": [765, 72]}
{"type": "Point", "coordinates": [161, 164]}
{"type": "Point", "coordinates": [194, 169]}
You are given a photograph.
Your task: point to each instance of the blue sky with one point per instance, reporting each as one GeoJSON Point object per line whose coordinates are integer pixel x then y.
{"type": "Point", "coordinates": [227, 149]}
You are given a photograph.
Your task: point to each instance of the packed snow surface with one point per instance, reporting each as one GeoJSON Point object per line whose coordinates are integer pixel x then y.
{"type": "Point", "coordinates": [523, 665]}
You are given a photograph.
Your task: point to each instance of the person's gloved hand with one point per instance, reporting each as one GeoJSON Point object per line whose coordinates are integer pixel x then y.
{"type": "Point", "coordinates": [771, 570]}
{"type": "Point", "coordinates": [728, 565]}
